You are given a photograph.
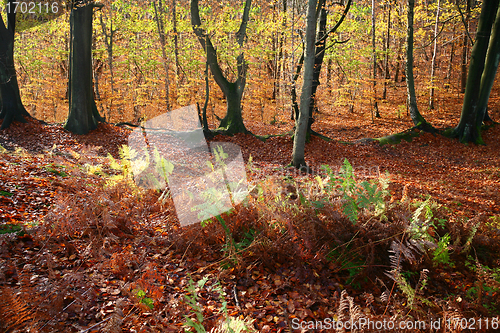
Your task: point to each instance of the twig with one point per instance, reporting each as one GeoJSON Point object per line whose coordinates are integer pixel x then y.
{"type": "Point", "coordinates": [93, 326]}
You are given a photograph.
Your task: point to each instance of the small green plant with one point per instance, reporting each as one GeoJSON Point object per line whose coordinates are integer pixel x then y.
{"type": "Point", "coordinates": [227, 325]}
{"type": "Point", "coordinates": [6, 194]}
{"type": "Point", "coordinates": [413, 295]}
{"type": "Point", "coordinates": [196, 309]}
{"type": "Point", "coordinates": [53, 169]}
{"type": "Point", "coordinates": [141, 295]}
{"type": "Point", "coordinates": [441, 254]}
{"type": "Point", "coordinates": [10, 228]}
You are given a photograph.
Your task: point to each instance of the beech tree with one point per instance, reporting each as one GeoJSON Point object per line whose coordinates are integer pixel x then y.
{"type": "Point", "coordinates": [416, 117]}
{"type": "Point", "coordinates": [12, 106]}
{"type": "Point", "coordinates": [83, 114]}
{"type": "Point", "coordinates": [299, 139]}
{"type": "Point", "coordinates": [322, 34]}
{"type": "Point", "coordinates": [483, 65]}
{"type": "Point", "coordinates": [233, 91]}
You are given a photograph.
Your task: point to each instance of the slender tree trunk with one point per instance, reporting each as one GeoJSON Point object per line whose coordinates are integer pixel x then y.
{"type": "Point", "coordinates": [386, 51]}
{"type": "Point", "coordinates": [415, 115]}
{"type": "Point", "coordinates": [465, 48]}
{"type": "Point", "coordinates": [176, 39]}
{"type": "Point", "coordinates": [12, 106]}
{"type": "Point", "coordinates": [469, 127]}
{"type": "Point", "coordinates": [452, 56]}
{"type": "Point", "coordinates": [374, 65]}
{"type": "Point", "coordinates": [161, 34]}
{"type": "Point", "coordinates": [108, 41]}
{"type": "Point", "coordinates": [434, 55]}
{"type": "Point", "coordinates": [299, 139]}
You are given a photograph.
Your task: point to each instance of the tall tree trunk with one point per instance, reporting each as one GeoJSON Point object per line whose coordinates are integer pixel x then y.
{"type": "Point", "coordinates": [83, 115]}
{"type": "Point", "coordinates": [386, 51]}
{"type": "Point", "coordinates": [176, 40]}
{"type": "Point", "coordinates": [465, 47]}
{"type": "Point", "coordinates": [318, 63]}
{"type": "Point", "coordinates": [434, 56]}
{"type": "Point", "coordinates": [12, 106]}
{"type": "Point", "coordinates": [489, 74]}
{"type": "Point", "coordinates": [161, 34]}
{"type": "Point", "coordinates": [452, 55]}
{"type": "Point", "coordinates": [469, 127]}
{"type": "Point", "coordinates": [415, 115]}
{"type": "Point", "coordinates": [374, 65]}
{"type": "Point", "coordinates": [233, 91]}
{"type": "Point", "coordinates": [108, 41]}
{"type": "Point", "coordinates": [299, 139]}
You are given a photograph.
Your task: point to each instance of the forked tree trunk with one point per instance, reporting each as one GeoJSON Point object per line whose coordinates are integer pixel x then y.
{"type": "Point", "coordinates": [233, 91]}
{"type": "Point", "coordinates": [12, 106]}
{"type": "Point", "coordinates": [478, 80]}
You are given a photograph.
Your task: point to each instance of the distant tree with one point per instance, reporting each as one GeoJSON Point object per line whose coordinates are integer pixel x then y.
{"type": "Point", "coordinates": [233, 91]}
{"type": "Point", "coordinates": [483, 65]}
{"type": "Point", "coordinates": [12, 106]}
{"type": "Point", "coordinates": [83, 114]}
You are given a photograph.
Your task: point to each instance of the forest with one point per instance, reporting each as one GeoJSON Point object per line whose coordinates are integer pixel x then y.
{"type": "Point", "coordinates": [249, 166]}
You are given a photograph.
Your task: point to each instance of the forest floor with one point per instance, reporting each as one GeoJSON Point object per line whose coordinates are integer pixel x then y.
{"type": "Point", "coordinates": [92, 257]}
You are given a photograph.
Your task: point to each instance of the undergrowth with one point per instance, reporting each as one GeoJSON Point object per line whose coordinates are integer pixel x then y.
{"type": "Point", "coordinates": [333, 226]}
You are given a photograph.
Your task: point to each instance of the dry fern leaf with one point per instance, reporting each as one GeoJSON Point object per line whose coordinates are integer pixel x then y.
{"type": "Point", "coordinates": [15, 313]}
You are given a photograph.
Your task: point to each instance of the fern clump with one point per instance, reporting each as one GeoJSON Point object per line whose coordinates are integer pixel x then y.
{"type": "Point", "coordinates": [357, 196]}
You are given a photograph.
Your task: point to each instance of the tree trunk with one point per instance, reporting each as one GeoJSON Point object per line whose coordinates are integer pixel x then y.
{"type": "Point", "coordinates": [465, 48]}
{"type": "Point", "coordinates": [434, 55]}
{"type": "Point", "coordinates": [83, 115]}
{"type": "Point", "coordinates": [415, 115]}
{"type": "Point", "coordinates": [176, 40]}
{"type": "Point", "coordinates": [469, 127]}
{"type": "Point", "coordinates": [318, 64]}
{"type": "Point", "coordinates": [386, 51]}
{"type": "Point", "coordinates": [299, 139]}
{"type": "Point", "coordinates": [489, 73]}
{"type": "Point", "coordinates": [374, 65]}
{"type": "Point", "coordinates": [161, 34]}
{"type": "Point", "coordinates": [233, 91]}
{"type": "Point", "coordinates": [12, 106]}
{"type": "Point", "coordinates": [108, 41]}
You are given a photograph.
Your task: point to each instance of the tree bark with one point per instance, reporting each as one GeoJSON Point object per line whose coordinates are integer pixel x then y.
{"type": "Point", "coordinates": [465, 48]}
{"type": "Point", "coordinates": [489, 74]}
{"type": "Point", "coordinates": [83, 115]}
{"type": "Point", "coordinates": [434, 55]}
{"type": "Point", "coordinates": [386, 51]}
{"type": "Point", "coordinates": [12, 106]}
{"type": "Point", "coordinates": [374, 65]}
{"type": "Point", "coordinates": [299, 139]}
{"type": "Point", "coordinates": [469, 127]}
{"type": "Point", "coordinates": [233, 91]}
{"type": "Point", "coordinates": [108, 41]}
{"type": "Point", "coordinates": [176, 40]}
{"type": "Point", "coordinates": [161, 34]}
{"type": "Point", "coordinates": [415, 115]}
